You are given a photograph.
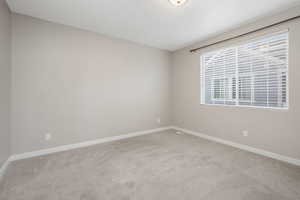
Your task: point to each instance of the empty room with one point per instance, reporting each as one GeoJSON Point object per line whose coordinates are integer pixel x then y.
{"type": "Point", "coordinates": [149, 99]}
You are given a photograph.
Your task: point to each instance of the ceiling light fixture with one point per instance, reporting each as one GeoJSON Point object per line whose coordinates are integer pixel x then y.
{"type": "Point", "coordinates": [177, 2]}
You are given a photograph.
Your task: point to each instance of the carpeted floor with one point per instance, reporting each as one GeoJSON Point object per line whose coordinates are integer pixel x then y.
{"type": "Point", "coordinates": [160, 166]}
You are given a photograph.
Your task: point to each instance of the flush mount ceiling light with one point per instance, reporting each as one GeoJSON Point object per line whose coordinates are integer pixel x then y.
{"type": "Point", "coordinates": [177, 2]}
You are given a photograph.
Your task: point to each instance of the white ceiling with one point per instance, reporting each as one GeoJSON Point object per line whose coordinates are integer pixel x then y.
{"type": "Point", "coordinates": [152, 22]}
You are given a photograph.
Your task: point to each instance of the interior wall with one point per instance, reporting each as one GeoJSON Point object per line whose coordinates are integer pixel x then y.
{"type": "Point", "coordinates": [79, 85]}
{"type": "Point", "coordinates": [5, 73]}
{"type": "Point", "coordinates": [269, 129]}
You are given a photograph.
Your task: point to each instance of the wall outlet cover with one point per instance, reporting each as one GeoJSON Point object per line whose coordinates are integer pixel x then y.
{"type": "Point", "coordinates": [245, 133]}
{"type": "Point", "coordinates": [158, 120]}
{"type": "Point", "coordinates": [48, 136]}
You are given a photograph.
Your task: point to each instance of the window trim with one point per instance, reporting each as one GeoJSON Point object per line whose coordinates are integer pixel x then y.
{"type": "Point", "coordinates": [202, 73]}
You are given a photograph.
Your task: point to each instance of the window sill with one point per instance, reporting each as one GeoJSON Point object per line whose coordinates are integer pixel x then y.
{"type": "Point", "coordinates": [250, 107]}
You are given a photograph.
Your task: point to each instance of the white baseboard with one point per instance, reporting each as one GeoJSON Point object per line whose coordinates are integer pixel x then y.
{"type": "Point", "coordinates": [134, 134]}
{"type": "Point", "coordinates": [83, 144]}
{"type": "Point", "coordinates": [4, 167]}
{"type": "Point", "coordinates": [242, 146]}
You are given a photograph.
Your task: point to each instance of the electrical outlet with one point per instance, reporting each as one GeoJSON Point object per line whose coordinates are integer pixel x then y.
{"type": "Point", "coordinates": [158, 120]}
{"type": "Point", "coordinates": [245, 133]}
{"type": "Point", "coordinates": [48, 136]}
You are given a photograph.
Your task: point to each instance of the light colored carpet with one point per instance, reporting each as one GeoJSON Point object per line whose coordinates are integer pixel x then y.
{"type": "Point", "coordinates": [160, 166]}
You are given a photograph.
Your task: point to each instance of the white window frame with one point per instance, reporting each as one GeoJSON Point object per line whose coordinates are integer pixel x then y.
{"type": "Point", "coordinates": [202, 74]}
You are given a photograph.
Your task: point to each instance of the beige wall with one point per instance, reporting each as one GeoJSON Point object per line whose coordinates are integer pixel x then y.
{"type": "Point", "coordinates": [277, 131]}
{"type": "Point", "coordinates": [81, 86]}
{"type": "Point", "coordinates": [5, 61]}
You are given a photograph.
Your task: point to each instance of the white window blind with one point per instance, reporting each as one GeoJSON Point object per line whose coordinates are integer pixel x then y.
{"type": "Point", "coordinates": [251, 74]}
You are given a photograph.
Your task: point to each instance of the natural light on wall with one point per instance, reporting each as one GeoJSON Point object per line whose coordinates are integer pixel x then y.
{"type": "Point", "coordinates": [252, 74]}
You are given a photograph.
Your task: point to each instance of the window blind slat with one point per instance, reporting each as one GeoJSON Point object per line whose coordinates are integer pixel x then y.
{"type": "Point", "coordinates": [251, 74]}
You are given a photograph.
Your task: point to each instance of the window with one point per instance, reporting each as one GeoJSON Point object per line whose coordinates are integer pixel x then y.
{"type": "Point", "coordinates": [251, 74]}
